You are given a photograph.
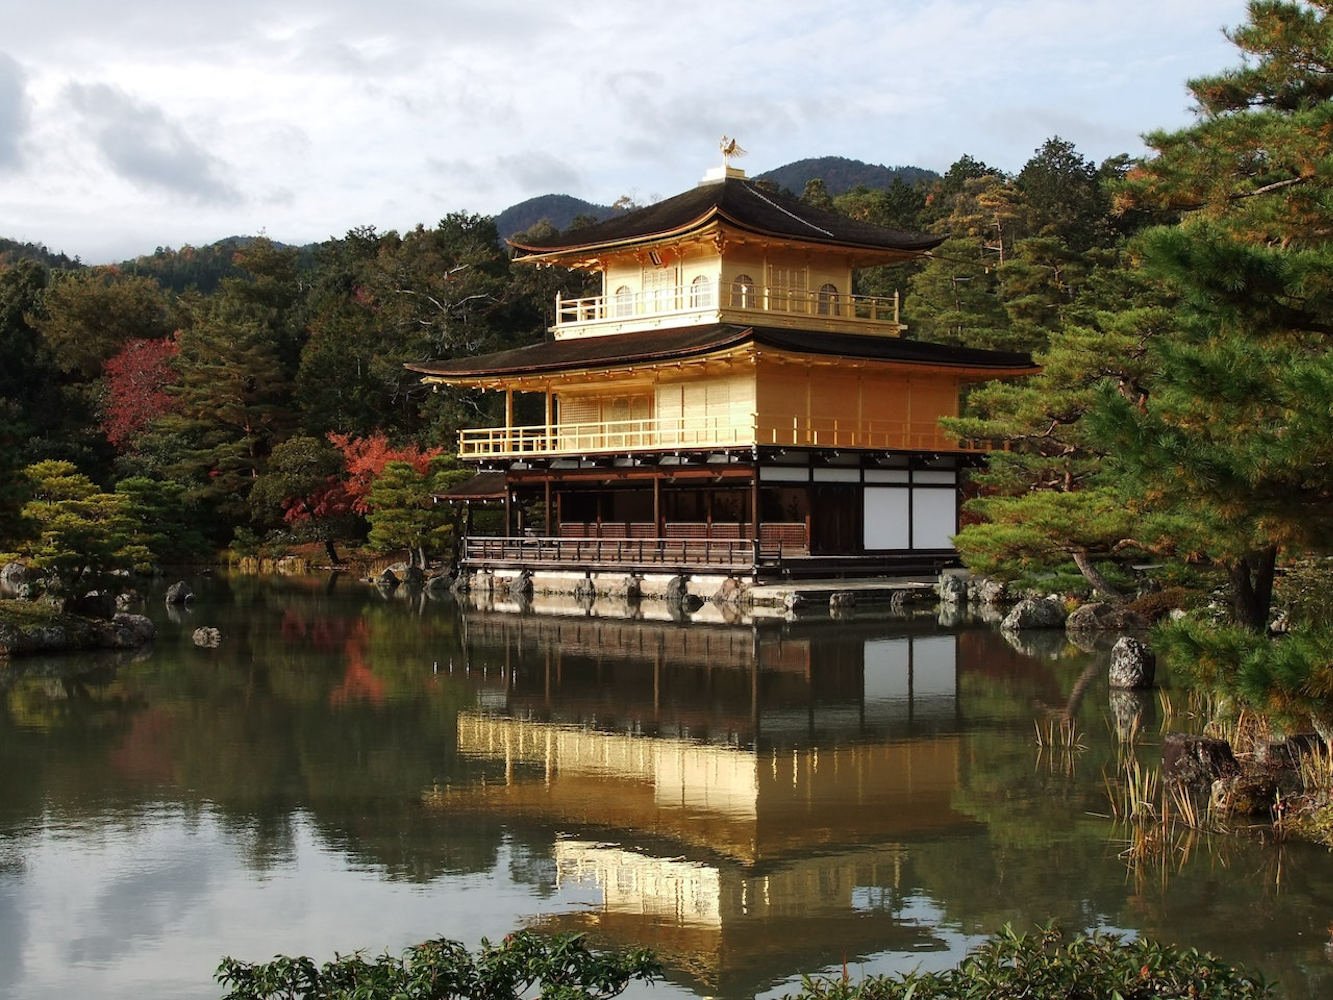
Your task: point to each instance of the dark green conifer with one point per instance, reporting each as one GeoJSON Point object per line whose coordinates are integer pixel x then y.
{"type": "Point", "coordinates": [1235, 433]}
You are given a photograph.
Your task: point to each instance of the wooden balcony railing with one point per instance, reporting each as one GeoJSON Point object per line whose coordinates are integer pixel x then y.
{"type": "Point", "coordinates": [675, 433]}
{"type": "Point", "coordinates": [706, 300]}
{"type": "Point", "coordinates": [638, 545]}
{"type": "Point", "coordinates": [788, 536]}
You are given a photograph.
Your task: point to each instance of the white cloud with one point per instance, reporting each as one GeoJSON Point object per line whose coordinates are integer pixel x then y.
{"type": "Point", "coordinates": [146, 147]}
{"type": "Point", "coordinates": [13, 113]}
{"type": "Point", "coordinates": [308, 117]}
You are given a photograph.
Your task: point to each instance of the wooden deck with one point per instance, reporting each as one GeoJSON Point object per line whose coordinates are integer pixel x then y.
{"type": "Point", "coordinates": [768, 558]}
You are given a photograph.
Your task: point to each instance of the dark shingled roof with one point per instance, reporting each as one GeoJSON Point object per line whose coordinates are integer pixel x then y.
{"type": "Point", "coordinates": [686, 342]}
{"type": "Point", "coordinates": [482, 486]}
{"type": "Point", "coordinates": [746, 207]}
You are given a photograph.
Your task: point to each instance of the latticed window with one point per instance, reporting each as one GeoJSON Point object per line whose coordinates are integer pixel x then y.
{"type": "Point", "coordinates": [701, 292]}
{"type": "Point", "coordinates": [659, 290]}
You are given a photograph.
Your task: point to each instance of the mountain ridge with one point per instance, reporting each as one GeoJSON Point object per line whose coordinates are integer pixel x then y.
{"type": "Point", "coordinates": [195, 266]}
{"type": "Point", "coordinates": [840, 174]}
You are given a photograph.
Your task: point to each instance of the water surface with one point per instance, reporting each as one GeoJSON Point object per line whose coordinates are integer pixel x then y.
{"type": "Point", "coordinates": [755, 800]}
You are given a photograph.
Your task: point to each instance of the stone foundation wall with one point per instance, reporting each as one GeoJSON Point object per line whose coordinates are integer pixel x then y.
{"type": "Point", "coordinates": [651, 586]}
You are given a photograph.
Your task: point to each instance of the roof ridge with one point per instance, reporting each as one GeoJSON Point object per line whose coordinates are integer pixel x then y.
{"type": "Point", "coordinates": [760, 195]}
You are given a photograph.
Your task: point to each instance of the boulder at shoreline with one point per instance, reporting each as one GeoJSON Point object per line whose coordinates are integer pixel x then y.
{"type": "Point", "coordinates": [71, 634]}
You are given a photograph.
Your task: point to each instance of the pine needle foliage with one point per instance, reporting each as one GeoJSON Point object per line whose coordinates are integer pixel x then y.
{"type": "Point", "coordinates": [1234, 435]}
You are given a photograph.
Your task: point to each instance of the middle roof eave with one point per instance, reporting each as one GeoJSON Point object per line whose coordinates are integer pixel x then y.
{"type": "Point", "coordinates": [652, 346]}
{"type": "Point", "coordinates": [552, 356]}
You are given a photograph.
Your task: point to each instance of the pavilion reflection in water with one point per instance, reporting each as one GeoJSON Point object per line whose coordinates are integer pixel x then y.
{"type": "Point", "coordinates": [741, 799]}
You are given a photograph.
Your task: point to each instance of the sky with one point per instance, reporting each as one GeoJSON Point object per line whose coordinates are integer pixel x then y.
{"type": "Point", "coordinates": [132, 125]}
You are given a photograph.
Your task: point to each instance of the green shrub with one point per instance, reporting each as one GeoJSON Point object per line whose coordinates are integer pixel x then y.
{"type": "Point", "coordinates": [446, 970]}
{"type": "Point", "coordinates": [1045, 965]}
{"type": "Point", "coordinates": [1049, 966]}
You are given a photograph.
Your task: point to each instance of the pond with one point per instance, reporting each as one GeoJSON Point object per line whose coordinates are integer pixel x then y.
{"type": "Point", "coordinates": [756, 800]}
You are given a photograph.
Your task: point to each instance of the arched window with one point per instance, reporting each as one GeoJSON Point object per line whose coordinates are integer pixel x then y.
{"type": "Point", "coordinates": [742, 292]}
{"type": "Point", "coordinates": [624, 302]}
{"type": "Point", "coordinates": [701, 292]}
{"type": "Point", "coordinates": [828, 300]}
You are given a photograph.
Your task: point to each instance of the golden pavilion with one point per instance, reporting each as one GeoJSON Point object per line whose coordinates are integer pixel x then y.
{"type": "Point", "coordinates": [725, 404]}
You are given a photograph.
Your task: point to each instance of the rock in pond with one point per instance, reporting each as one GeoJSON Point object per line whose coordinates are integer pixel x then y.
{"type": "Point", "coordinates": [1035, 612]}
{"type": "Point", "coordinates": [1098, 617]}
{"type": "Point", "coordinates": [179, 593]}
{"type": "Point", "coordinates": [1132, 664]}
{"type": "Point", "coordinates": [1197, 760]}
{"type": "Point", "coordinates": [207, 637]}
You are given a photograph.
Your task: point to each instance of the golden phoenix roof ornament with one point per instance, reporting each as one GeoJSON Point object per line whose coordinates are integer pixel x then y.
{"type": "Point", "coordinates": [730, 148]}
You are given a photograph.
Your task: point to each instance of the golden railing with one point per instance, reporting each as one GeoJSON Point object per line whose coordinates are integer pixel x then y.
{"type": "Point", "coordinates": [732, 297]}
{"type": "Point", "coordinates": [673, 433]}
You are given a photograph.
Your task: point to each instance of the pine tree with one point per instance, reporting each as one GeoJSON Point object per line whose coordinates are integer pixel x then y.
{"type": "Point", "coordinates": [1237, 434]}
{"type": "Point", "coordinates": [82, 535]}
{"type": "Point", "coordinates": [1019, 251]}
{"type": "Point", "coordinates": [403, 514]}
{"type": "Point", "coordinates": [232, 397]}
{"type": "Point", "coordinates": [1046, 498]}
{"type": "Point", "coordinates": [1038, 266]}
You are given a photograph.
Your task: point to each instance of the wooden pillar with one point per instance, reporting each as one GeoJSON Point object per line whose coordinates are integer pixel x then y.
{"type": "Point", "coordinates": [509, 423]}
{"type": "Point", "coordinates": [754, 505]}
{"type": "Point", "coordinates": [550, 431]}
{"type": "Point", "coordinates": [550, 528]}
{"type": "Point", "coordinates": [657, 505]}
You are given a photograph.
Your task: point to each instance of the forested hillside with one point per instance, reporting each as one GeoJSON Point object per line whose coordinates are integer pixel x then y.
{"type": "Point", "coordinates": [841, 175]}
{"type": "Point", "coordinates": [12, 251]}
{"type": "Point", "coordinates": [557, 210]}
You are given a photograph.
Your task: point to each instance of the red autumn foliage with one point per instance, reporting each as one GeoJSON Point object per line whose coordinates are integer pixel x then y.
{"type": "Point", "coordinates": [330, 500]}
{"type": "Point", "coordinates": [136, 384]}
{"type": "Point", "coordinates": [366, 458]}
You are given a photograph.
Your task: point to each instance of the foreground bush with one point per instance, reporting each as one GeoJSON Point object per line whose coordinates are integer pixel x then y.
{"type": "Point", "coordinates": [1045, 965]}
{"type": "Point", "coordinates": [441, 970]}
{"type": "Point", "coordinates": [1049, 966]}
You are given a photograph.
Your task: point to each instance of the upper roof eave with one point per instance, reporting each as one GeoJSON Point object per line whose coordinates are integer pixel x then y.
{"type": "Point", "coordinates": [739, 203]}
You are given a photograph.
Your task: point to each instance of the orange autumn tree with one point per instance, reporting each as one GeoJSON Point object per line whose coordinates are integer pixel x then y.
{"type": "Point", "coordinates": [365, 459]}
{"type": "Point", "coordinates": [392, 487]}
